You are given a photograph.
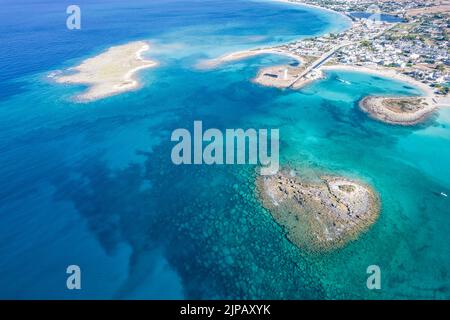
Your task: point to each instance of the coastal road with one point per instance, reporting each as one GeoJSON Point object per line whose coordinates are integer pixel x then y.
{"type": "Point", "coordinates": [316, 64]}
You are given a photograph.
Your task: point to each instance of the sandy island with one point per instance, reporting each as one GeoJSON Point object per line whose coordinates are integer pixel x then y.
{"type": "Point", "coordinates": [319, 215]}
{"type": "Point", "coordinates": [111, 72]}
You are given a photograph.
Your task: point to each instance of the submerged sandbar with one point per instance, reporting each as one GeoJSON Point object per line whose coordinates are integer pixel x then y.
{"type": "Point", "coordinates": [111, 72]}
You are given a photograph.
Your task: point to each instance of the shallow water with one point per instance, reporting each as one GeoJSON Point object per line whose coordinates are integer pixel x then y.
{"type": "Point", "coordinates": [93, 185]}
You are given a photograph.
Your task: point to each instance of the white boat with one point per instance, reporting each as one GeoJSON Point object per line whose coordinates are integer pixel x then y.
{"type": "Point", "coordinates": [344, 81]}
{"type": "Point", "coordinates": [444, 194]}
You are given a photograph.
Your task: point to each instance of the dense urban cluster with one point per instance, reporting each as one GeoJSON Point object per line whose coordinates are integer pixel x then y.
{"type": "Point", "coordinates": [418, 46]}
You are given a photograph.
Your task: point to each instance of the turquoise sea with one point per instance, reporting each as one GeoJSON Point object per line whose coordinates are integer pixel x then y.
{"type": "Point", "coordinates": [92, 184]}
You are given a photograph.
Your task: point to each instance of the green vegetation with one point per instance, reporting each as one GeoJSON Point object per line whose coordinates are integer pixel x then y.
{"type": "Point", "coordinates": [440, 67]}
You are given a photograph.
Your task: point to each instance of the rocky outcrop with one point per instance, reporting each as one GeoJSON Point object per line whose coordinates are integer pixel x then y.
{"type": "Point", "coordinates": [319, 215]}
{"type": "Point", "coordinates": [401, 111]}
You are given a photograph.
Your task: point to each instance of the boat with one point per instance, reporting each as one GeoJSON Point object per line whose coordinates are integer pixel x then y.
{"type": "Point", "coordinates": [344, 81]}
{"type": "Point", "coordinates": [444, 194]}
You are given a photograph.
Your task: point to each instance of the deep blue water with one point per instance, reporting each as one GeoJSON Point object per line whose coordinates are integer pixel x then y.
{"type": "Point", "coordinates": [92, 184]}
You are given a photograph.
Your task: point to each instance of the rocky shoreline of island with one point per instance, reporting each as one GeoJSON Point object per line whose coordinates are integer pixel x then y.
{"type": "Point", "coordinates": [322, 214]}
{"type": "Point", "coordinates": [404, 111]}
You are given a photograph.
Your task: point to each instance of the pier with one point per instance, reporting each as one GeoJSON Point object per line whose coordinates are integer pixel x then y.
{"type": "Point", "coordinates": [316, 64]}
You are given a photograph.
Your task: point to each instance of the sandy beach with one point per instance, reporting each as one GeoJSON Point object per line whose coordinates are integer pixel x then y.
{"type": "Point", "coordinates": [286, 76]}
{"type": "Point", "coordinates": [383, 72]}
{"type": "Point", "coordinates": [316, 7]}
{"type": "Point", "coordinates": [111, 72]}
{"type": "Point", "coordinates": [239, 55]}
{"type": "Point", "coordinates": [280, 76]}
{"type": "Point", "coordinates": [235, 56]}
{"type": "Point", "coordinates": [404, 111]}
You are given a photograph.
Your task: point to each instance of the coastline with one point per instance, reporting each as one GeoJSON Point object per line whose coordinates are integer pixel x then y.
{"type": "Point", "coordinates": [229, 57]}
{"type": "Point", "coordinates": [396, 110]}
{"type": "Point", "coordinates": [110, 72]}
{"type": "Point", "coordinates": [382, 72]}
{"type": "Point", "coordinates": [428, 92]}
{"type": "Point", "coordinates": [401, 111]}
{"type": "Point", "coordinates": [129, 76]}
{"type": "Point", "coordinates": [378, 71]}
{"type": "Point", "coordinates": [244, 54]}
{"type": "Point", "coordinates": [281, 76]}
{"type": "Point", "coordinates": [307, 5]}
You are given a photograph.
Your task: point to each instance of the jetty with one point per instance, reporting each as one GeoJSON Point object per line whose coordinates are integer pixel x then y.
{"type": "Point", "coordinates": [317, 63]}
